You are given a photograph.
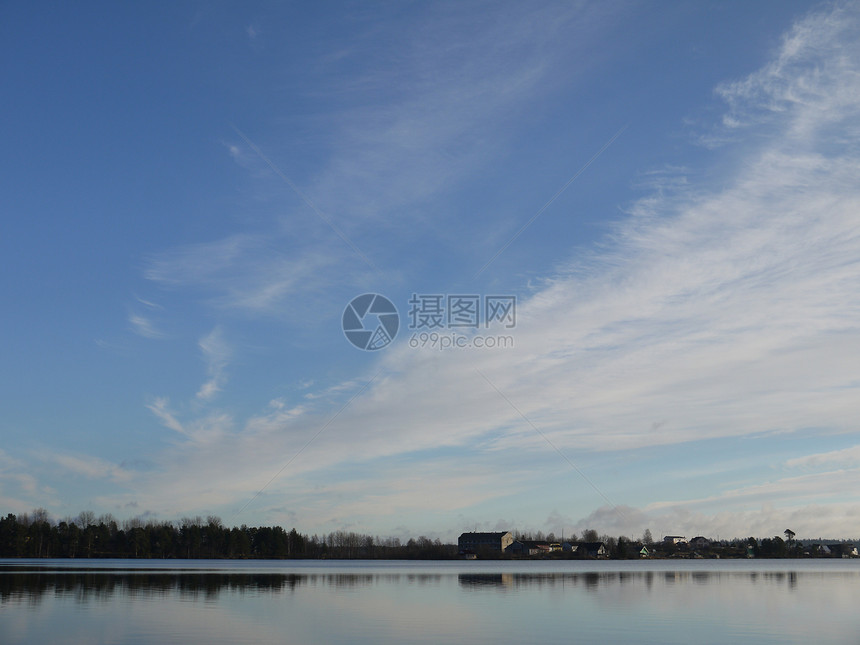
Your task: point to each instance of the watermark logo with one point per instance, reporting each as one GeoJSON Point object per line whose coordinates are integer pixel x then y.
{"type": "Point", "coordinates": [453, 340]}
{"type": "Point", "coordinates": [439, 321]}
{"type": "Point", "coordinates": [451, 311]}
{"type": "Point", "coordinates": [370, 321]}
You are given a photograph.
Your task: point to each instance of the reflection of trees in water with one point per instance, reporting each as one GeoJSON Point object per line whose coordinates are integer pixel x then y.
{"type": "Point", "coordinates": [348, 580]}
{"type": "Point", "coordinates": [31, 587]}
{"type": "Point", "coordinates": [95, 587]}
{"type": "Point", "coordinates": [424, 578]}
{"type": "Point", "coordinates": [21, 586]}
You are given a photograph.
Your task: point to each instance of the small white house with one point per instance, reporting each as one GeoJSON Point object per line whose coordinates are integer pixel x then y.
{"type": "Point", "coordinates": [674, 539]}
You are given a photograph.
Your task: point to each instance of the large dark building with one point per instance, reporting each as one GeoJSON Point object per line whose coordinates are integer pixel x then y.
{"type": "Point", "coordinates": [485, 541]}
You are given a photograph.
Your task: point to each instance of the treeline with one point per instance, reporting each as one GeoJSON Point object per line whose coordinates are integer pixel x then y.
{"type": "Point", "coordinates": [589, 535]}
{"type": "Point", "coordinates": [36, 535]}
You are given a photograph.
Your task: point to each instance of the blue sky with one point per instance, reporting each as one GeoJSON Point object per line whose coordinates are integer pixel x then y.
{"type": "Point", "coordinates": [193, 192]}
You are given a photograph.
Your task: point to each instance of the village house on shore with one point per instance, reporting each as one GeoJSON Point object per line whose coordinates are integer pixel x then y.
{"type": "Point", "coordinates": [472, 543]}
{"type": "Point", "coordinates": [502, 544]}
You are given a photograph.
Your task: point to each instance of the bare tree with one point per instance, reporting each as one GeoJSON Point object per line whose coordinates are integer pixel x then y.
{"type": "Point", "coordinates": [590, 535]}
{"type": "Point", "coordinates": [107, 519]}
{"type": "Point", "coordinates": [42, 521]}
{"type": "Point", "coordinates": [41, 516]}
{"type": "Point", "coordinates": [132, 523]}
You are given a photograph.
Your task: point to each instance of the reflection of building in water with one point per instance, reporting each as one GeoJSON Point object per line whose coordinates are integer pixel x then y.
{"type": "Point", "coordinates": [477, 580]}
{"type": "Point", "coordinates": [676, 576]}
{"type": "Point", "coordinates": [485, 541]}
{"type": "Point", "coordinates": [588, 580]}
{"type": "Point", "coordinates": [591, 580]}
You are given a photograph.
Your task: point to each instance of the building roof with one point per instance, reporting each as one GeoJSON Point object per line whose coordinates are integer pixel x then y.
{"type": "Point", "coordinates": [478, 535]}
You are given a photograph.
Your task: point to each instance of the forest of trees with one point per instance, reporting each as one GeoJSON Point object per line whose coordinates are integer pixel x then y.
{"type": "Point", "coordinates": [35, 535]}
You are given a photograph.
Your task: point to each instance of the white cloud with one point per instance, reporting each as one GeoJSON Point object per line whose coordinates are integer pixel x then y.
{"type": "Point", "coordinates": [408, 133]}
{"type": "Point", "coordinates": [143, 326]}
{"type": "Point", "coordinates": [19, 488]}
{"type": "Point", "coordinates": [200, 431]}
{"type": "Point", "coordinates": [159, 408]}
{"type": "Point", "coordinates": [802, 488]}
{"type": "Point", "coordinates": [723, 310]}
{"type": "Point", "coordinates": [90, 467]}
{"type": "Point", "coordinates": [149, 304]}
{"type": "Point", "coordinates": [257, 274]}
{"type": "Point", "coordinates": [432, 118]}
{"type": "Point", "coordinates": [217, 354]}
{"type": "Point", "coordinates": [845, 457]}
{"type": "Point", "coordinates": [812, 82]}
{"type": "Point", "coordinates": [834, 520]}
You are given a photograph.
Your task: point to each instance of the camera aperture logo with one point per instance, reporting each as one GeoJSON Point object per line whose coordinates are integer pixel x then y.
{"type": "Point", "coordinates": [370, 321]}
{"type": "Point", "coordinates": [437, 321]}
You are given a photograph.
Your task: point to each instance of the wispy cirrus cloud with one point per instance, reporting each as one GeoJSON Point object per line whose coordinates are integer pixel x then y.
{"type": "Point", "coordinates": [208, 429]}
{"type": "Point", "coordinates": [811, 81]}
{"type": "Point", "coordinates": [257, 274]}
{"type": "Point", "coordinates": [723, 310]}
{"type": "Point", "coordinates": [806, 488]}
{"type": "Point", "coordinates": [424, 131]}
{"type": "Point", "coordinates": [89, 467]}
{"type": "Point", "coordinates": [844, 457]}
{"type": "Point", "coordinates": [216, 353]}
{"type": "Point", "coordinates": [19, 488]}
{"type": "Point", "coordinates": [398, 135]}
{"type": "Point", "coordinates": [143, 326]}
{"type": "Point", "coordinates": [159, 407]}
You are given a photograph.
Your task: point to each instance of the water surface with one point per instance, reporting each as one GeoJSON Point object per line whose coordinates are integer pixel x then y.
{"type": "Point", "coordinates": [379, 602]}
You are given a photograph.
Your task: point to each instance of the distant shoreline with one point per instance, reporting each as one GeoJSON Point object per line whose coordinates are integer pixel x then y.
{"type": "Point", "coordinates": [37, 536]}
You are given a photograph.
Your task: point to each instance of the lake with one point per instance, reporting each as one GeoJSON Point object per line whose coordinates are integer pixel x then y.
{"type": "Point", "coordinates": [380, 602]}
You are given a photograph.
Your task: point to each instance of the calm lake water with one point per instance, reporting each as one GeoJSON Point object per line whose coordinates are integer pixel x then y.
{"type": "Point", "coordinates": [194, 601]}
